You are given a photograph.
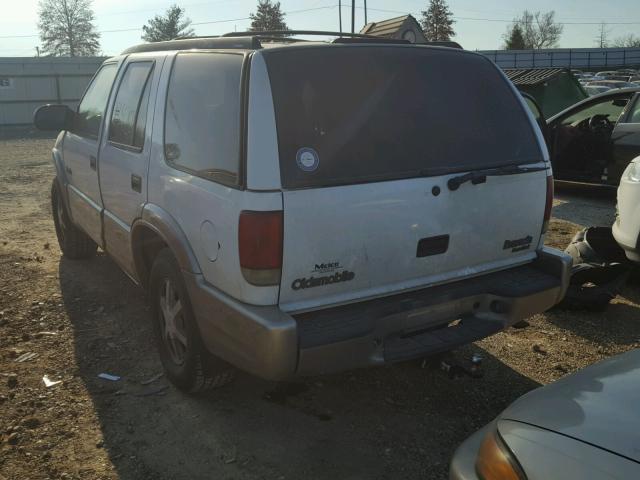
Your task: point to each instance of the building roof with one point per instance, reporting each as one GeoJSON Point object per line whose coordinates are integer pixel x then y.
{"type": "Point", "coordinates": [385, 28]}
{"type": "Point", "coordinates": [532, 76]}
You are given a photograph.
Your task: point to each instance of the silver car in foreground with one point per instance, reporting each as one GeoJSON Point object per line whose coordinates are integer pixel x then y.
{"type": "Point", "coordinates": [585, 426]}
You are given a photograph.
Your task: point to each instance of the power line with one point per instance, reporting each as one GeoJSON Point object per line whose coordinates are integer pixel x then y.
{"type": "Point", "coordinates": [156, 9]}
{"type": "Point", "coordinates": [504, 20]}
{"type": "Point", "coordinates": [331, 7]}
{"type": "Point", "coordinates": [209, 22]}
{"type": "Point", "coordinates": [510, 12]}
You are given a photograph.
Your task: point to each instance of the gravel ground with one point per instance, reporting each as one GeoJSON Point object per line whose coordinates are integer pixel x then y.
{"type": "Point", "coordinates": [84, 318]}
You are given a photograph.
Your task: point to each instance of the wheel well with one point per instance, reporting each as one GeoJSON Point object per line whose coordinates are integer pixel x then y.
{"type": "Point", "coordinates": [147, 243]}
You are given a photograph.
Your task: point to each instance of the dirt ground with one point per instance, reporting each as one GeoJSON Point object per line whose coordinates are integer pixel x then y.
{"type": "Point", "coordinates": [86, 318]}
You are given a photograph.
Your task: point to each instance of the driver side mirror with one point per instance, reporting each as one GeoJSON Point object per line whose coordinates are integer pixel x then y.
{"type": "Point", "coordinates": [54, 117]}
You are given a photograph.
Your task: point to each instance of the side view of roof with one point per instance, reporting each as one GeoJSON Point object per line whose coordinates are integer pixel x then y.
{"type": "Point", "coordinates": [254, 40]}
{"type": "Point", "coordinates": [244, 43]}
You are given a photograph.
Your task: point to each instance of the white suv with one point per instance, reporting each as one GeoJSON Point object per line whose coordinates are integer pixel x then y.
{"type": "Point", "coordinates": [297, 207]}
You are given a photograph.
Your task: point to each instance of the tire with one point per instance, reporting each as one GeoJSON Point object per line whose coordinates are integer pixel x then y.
{"type": "Point", "coordinates": [187, 363]}
{"type": "Point", "coordinates": [74, 243]}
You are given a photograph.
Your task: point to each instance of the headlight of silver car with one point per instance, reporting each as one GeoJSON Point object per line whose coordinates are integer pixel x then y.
{"type": "Point", "coordinates": [495, 460]}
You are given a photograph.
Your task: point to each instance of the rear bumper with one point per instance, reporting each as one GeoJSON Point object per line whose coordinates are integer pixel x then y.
{"type": "Point", "coordinates": [275, 345]}
{"type": "Point", "coordinates": [626, 228]}
{"type": "Point", "coordinates": [629, 241]}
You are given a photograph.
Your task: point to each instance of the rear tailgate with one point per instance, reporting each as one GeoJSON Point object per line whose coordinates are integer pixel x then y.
{"type": "Point", "coordinates": [355, 241]}
{"type": "Point", "coordinates": [368, 138]}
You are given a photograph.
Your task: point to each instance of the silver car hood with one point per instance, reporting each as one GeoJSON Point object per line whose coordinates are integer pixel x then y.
{"type": "Point", "coordinates": [599, 405]}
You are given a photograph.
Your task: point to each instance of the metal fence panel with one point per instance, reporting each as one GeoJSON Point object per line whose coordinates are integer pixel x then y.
{"type": "Point", "coordinates": [26, 83]}
{"type": "Point", "coordinates": [582, 58]}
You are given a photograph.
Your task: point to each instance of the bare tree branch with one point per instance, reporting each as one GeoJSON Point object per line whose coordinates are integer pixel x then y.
{"type": "Point", "coordinates": [627, 41]}
{"type": "Point", "coordinates": [539, 29]}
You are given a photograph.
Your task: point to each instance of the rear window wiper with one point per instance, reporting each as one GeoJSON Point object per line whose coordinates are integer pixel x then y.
{"type": "Point", "coordinates": [480, 176]}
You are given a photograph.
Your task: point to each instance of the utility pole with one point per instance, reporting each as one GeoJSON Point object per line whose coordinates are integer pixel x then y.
{"type": "Point", "coordinates": [353, 16]}
{"type": "Point", "coordinates": [340, 14]}
{"type": "Point", "coordinates": [602, 40]}
{"type": "Point", "coordinates": [365, 12]}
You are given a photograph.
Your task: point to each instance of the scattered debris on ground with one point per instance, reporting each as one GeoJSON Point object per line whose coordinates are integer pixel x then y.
{"type": "Point", "coordinates": [79, 320]}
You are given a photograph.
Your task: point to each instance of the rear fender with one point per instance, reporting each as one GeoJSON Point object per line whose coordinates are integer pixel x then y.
{"type": "Point", "coordinates": [164, 225]}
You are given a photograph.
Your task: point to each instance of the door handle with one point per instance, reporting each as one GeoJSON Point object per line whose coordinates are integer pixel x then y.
{"type": "Point", "coordinates": [92, 162]}
{"type": "Point", "coordinates": [136, 183]}
{"type": "Point", "coordinates": [432, 246]}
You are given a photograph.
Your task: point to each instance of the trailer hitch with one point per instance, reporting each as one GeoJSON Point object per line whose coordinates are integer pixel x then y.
{"type": "Point", "coordinates": [455, 367]}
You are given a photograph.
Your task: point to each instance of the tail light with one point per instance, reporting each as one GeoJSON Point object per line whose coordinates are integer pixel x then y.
{"type": "Point", "coordinates": [260, 247]}
{"type": "Point", "coordinates": [549, 204]}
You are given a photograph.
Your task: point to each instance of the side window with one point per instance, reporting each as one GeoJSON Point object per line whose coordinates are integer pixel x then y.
{"type": "Point", "coordinates": [634, 115]}
{"type": "Point", "coordinates": [202, 117]}
{"type": "Point", "coordinates": [611, 109]}
{"type": "Point", "coordinates": [93, 104]}
{"type": "Point", "coordinates": [130, 108]}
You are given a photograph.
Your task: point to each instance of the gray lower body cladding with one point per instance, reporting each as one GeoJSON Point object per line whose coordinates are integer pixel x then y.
{"type": "Point", "coordinates": [275, 345]}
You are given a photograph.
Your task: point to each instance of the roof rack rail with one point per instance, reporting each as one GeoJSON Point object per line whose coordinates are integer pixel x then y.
{"type": "Point", "coordinates": [281, 33]}
{"type": "Point", "coordinates": [396, 41]}
{"type": "Point", "coordinates": [245, 43]}
{"type": "Point", "coordinates": [444, 43]}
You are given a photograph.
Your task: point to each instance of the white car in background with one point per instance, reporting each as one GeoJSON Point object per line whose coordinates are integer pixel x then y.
{"type": "Point", "coordinates": [596, 89]}
{"type": "Point", "coordinates": [626, 229]}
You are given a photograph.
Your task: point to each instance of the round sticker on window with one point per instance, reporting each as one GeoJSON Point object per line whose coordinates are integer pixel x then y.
{"type": "Point", "coordinates": [307, 159]}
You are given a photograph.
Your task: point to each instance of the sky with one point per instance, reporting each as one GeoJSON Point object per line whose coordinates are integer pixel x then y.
{"type": "Point", "coordinates": [479, 25]}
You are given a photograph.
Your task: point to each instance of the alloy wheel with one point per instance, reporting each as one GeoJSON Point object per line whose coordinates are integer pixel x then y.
{"type": "Point", "coordinates": [172, 322]}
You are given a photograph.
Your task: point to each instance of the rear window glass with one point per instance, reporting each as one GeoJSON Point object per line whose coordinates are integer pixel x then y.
{"type": "Point", "coordinates": [130, 108]}
{"type": "Point", "coordinates": [360, 114]}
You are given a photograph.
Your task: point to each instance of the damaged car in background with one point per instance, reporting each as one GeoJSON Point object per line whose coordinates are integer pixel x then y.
{"type": "Point", "coordinates": [594, 140]}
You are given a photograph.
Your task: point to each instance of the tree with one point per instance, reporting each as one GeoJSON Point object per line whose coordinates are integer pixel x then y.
{"type": "Point", "coordinates": [627, 41]}
{"type": "Point", "coordinates": [268, 16]}
{"type": "Point", "coordinates": [66, 28]}
{"type": "Point", "coordinates": [602, 39]}
{"type": "Point", "coordinates": [539, 29]}
{"type": "Point", "coordinates": [513, 39]}
{"type": "Point", "coordinates": [437, 22]}
{"type": "Point", "coordinates": [168, 26]}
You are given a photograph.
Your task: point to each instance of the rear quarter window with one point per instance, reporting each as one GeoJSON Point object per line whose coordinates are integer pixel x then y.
{"type": "Point", "coordinates": [356, 114]}
{"type": "Point", "coordinates": [202, 116]}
